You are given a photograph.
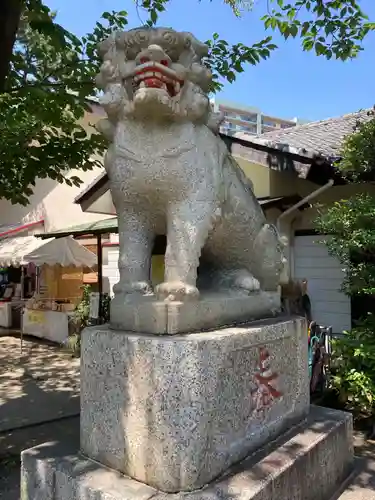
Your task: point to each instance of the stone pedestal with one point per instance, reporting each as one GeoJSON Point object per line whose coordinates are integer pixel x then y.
{"type": "Point", "coordinates": [175, 412]}
{"type": "Point", "coordinates": [309, 462]}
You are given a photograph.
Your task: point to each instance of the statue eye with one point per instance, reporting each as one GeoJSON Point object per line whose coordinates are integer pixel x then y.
{"type": "Point", "coordinates": [164, 62]}
{"type": "Point", "coordinates": [144, 60]}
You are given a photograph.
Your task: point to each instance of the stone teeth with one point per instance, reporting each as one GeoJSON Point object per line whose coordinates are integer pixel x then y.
{"type": "Point", "coordinates": [177, 87]}
{"type": "Point", "coordinates": [142, 85]}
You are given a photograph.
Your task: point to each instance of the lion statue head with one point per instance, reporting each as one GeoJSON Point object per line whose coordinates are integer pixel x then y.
{"type": "Point", "coordinates": [154, 74]}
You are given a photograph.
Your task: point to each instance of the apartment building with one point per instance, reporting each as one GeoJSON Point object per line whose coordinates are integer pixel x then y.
{"type": "Point", "coordinates": [249, 120]}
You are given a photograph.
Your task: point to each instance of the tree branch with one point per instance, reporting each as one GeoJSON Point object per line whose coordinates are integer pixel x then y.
{"type": "Point", "coordinates": [10, 14]}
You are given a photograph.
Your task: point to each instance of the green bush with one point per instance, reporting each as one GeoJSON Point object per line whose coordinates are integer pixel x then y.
{"type": "Point", "coordinates": [82, 311]}
{"type": "Point", "coordinates": [81, 319]}
{"type": "Point", "coordinates": [353, 368]}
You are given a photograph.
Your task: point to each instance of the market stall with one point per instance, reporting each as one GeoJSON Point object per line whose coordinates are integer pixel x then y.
{"type": "Point", "coordinates": [17, 279]}
{"type": "Point", "coordinates": [59, 265]}
{"type": "Point", "coordinates": [62, 263]}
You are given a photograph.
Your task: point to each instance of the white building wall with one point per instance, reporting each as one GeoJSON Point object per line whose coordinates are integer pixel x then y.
{"type": "Point", "coordinates": [111, 273]}
{"type": "Point", "coordinates": [54, 202]}
{"type": "Point", "coordinates": [324, 274]}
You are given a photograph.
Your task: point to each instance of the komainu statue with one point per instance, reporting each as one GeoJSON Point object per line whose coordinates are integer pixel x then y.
{"type": "Point", "coordinates": [171, 174]}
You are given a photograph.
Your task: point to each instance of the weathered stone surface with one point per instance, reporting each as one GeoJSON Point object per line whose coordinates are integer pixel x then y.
{"type": "Point", "coordinates": [55, 471]}
{"type": "Point", "coordinates": [175, 412]}
{"type": "Point", "coordinates": [170, 174]}
{"type": "Point", "coordinates": [210, 311]}
{"type": "Point", "coordinates": [309, 462]}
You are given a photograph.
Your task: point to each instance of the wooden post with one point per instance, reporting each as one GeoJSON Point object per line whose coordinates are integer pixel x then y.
{"type": "Point", "coordinates": [22, 305]}
{"type": "Point", "coordinates": [100, 272]}
{"type": "Point", "coordinates": [22, 282]}
{"type": "Point", "coordinates": [37, 280]}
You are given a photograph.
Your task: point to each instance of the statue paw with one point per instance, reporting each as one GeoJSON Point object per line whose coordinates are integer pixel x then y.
{"type": "Point", "coordinates": [137, 287]}
{"type": "Point", "coordinates": [247, 282]}
{"type": "Point", "coordinates": [176, 291]}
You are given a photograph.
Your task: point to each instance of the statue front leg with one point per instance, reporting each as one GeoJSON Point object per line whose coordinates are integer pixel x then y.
{"type": "Point", "coordinates": [135, 250]}
{"type": "Point", "coordinates": [188, 225]}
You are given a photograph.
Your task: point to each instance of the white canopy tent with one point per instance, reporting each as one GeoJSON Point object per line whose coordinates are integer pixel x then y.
{"type": "Point", "coordinates": [64, 251]}
{"type": "Point", "coordinates": [24, 250]}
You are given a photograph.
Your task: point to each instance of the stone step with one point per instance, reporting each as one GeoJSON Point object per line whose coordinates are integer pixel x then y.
{"type": "Point", "coordinates": [307, 463]}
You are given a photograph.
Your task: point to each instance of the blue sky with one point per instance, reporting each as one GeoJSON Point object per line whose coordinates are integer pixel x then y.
{"type": "Point", "coordinates": [291, 83]}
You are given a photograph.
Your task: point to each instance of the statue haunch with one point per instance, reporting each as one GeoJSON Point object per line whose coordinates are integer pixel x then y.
{"type": "Point", "coordinates": [171, 174]}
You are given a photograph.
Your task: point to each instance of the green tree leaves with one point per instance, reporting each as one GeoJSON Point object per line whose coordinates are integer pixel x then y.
{"type": "Point", "coordinates": [50, 82]}
{"type": "Point", "coordinates": [359, 152]}
{"type": "Point", "coordinates": [353, 368]}
{"type": "Point", "coordinates": [352, 226]}
{"type": "Point", "coordinates": [227, 61]}
{"type": "Point", "coordinates": [329, 27]}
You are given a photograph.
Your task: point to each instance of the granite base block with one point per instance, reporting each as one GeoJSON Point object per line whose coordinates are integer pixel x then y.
{"type": "Point", "coordinates": [176, 411]}
{"type": "Point", "coordinates": [309, 462]}
{"type": "Point", "coordinates": [148, 315]}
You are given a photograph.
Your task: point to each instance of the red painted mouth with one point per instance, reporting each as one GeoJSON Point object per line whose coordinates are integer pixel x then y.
{"type": "Point", "coordinates": [155, 75]}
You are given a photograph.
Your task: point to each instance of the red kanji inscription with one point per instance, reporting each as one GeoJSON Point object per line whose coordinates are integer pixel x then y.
{"type": "Point", "coordinates": [266, 380]}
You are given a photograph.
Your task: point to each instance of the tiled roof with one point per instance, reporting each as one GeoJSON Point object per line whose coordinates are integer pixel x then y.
{"type": "Point", "coordinates": [316, 139]}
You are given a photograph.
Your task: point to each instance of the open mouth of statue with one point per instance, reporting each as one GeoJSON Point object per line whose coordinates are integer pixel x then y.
{"type": "Point", "coordinates": [156, 76]}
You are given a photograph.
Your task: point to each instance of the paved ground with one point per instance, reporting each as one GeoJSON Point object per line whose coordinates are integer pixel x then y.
{"type": "Point", "coordinates": [362, 485]}
{"type": "Point", "coordinates": [39, 384]}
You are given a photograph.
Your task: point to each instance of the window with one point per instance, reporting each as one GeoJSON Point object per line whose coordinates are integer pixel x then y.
{"type": "Point", "coordinates": [226, 114]}
{"type": "Point", "coordinates": [267, 123]}
{"type": "Point", "coordinates": [251, 130]}
{"type": "Point", "coordinates": [249, 118]}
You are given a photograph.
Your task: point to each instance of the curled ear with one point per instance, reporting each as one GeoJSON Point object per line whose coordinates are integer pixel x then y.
{"type": "Point", "coordinates": [284, 240]}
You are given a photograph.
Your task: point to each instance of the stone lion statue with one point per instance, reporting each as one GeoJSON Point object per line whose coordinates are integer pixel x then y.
{"type": "Point", "coordinates": [171, 174]}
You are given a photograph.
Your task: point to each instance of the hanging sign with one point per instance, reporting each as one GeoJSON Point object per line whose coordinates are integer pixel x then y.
{"type": "Point", "coordinates": [35, 317]}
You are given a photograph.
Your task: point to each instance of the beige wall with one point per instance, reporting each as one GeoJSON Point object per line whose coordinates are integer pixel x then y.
{"type": "Point", "coordinates": [272, 183]}
{"type": "Point", "coordinates": [89, 120]}
{"type": "Point", "coordinates": [53, 201]}
{"type": "Point", "coordinates": [259, 175]}
{"type": "Point", "coordinates": [268, 182]}
{"type": "Point", "coordinates": [305, 220]}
